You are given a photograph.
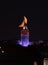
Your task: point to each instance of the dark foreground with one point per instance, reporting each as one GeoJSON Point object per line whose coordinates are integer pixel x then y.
{"type": "Point", "coordinates": [17, 55]}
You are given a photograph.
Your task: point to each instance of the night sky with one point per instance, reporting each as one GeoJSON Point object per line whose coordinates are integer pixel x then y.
{"type": "Point", "coordinates": [37, 23]}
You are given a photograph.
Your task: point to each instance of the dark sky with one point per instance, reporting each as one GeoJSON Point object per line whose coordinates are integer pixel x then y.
{"type": "Point", "coordinates": [37, 23]}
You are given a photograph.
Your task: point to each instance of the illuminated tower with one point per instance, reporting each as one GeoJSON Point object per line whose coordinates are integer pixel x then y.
{"type": "Point", "coordinates": [24, 33]}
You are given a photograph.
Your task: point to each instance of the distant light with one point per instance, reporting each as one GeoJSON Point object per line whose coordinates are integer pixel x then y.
{"type": "Point", "coordinates": [41, 41]}
{"type": "Point", "coordinates": [2, 51]}
{"type": "Point", "coordinates": [0, 47]}
{"type": "Point", "coordinates": [35, 63]}
{"type": "Point", "coordinates": [45, 62]}
{"type": "Point", "coordinates": [31, 43]}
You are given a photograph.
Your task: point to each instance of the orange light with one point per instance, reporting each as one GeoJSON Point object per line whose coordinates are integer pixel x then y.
{"type": "Point", "coordinates": [35, 63]}
{"type": "Point", "coordinates": [23, 22]}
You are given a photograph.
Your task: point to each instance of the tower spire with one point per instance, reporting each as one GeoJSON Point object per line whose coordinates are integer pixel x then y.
{"type": "Point", "coordinates": [24, 22]}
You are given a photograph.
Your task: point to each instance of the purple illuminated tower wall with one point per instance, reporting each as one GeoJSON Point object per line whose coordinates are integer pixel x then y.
{"type": "Point", "coordinates": [25, 36]}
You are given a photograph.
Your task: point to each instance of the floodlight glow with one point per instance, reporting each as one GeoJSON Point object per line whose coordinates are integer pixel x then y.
{"type": "Point", "coordinates": [24, 45]}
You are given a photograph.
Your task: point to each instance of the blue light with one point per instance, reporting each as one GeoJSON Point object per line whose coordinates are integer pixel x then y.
{"type": "Point", "coordinates": [24, 44]}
